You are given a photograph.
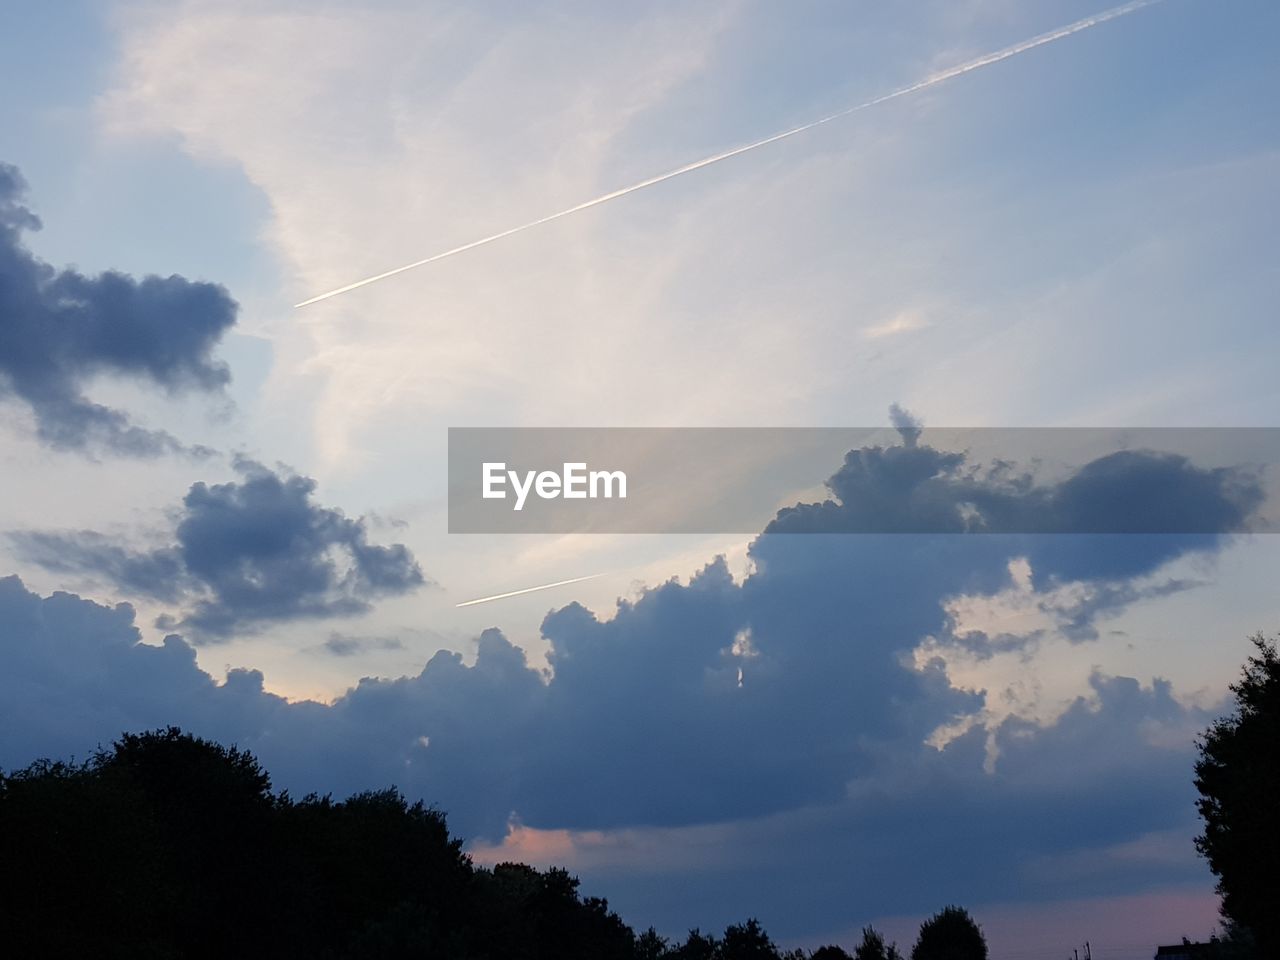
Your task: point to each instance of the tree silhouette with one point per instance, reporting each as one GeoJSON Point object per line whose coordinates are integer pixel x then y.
{"type": "Point", "coordinates": [873, 947]}
{"type": "Point", "coordinates": [747, 941]}
{"type": "Point", "coordinates": [651, 946]}
{"type": "Point", "coordinates": [168, 846]}
{"type": "Point", "coordinates": [697, 946]}
{"type": "Point", "coordinates": [1238, 777]}
{"type": "Point", "coordinates": [950, 934]}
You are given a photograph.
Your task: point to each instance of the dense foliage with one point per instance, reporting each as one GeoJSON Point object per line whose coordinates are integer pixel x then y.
{"type": "Point", "coordinates": [1238, 776]}
{"type": "Point", "coordinates": [169, 846]}
{"type": "Point", "coordinates": [950, 934]}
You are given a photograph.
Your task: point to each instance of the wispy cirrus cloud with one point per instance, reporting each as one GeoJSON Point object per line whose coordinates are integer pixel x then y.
{"type": "Point", "coordinates": [904, 322]}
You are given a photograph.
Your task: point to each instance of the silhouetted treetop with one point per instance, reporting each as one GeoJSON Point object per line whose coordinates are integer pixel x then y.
{"type": "Point", "coordinates": [950, 934]}
{"type": "Point", "coordinates": [170, 846]}
{"type": "Point", "coordinates": [873, 947]}
{"type": "Point", "coordinates": [1238, 777]}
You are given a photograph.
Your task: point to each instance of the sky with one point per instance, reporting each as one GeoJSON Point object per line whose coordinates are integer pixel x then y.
{"type": "Point", "coordinates": [227, 513]}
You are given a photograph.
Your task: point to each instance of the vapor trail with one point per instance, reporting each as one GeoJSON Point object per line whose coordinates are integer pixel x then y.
{"type": "Point", "coordinates": [983, 61]}
{"type": "Point", "coordinates": [516, 593]}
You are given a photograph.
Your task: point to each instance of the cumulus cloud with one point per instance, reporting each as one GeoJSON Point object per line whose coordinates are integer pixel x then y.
{"type": "Point", "coordinates": [916, 488]}
{"type": "Point", "coordinates": [76, 674]}
{"type": "Point", "coordinates": [59, 329]}
{"type": "Point", "coordinates": [496, 744]}
{"type": "Point", "coordinates": [245, 553]}
{"type": "Point", "coordinates": [824, 690]}
{"type": "Point", "coordinates": [908, 425]}
{"type": "Point", "coordinates": [784, 712]}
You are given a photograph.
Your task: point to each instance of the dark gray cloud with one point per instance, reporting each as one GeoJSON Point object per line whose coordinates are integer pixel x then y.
{"type": "Point", "coordinates": [265, 552]}
{"type": "Point", "coordinates": [1078, 623]}
{"type": "Point", "coordinates": [158, 574]}
{"type": "Point", "coordinates": [1088, 806]}
{"type": "Point", "coordinates": [780, 715]}
{"type": "Point", "coordinates": [719, 700]}
{"type": "Point", "coordinates": [248, 552]}
{"type": "Point", "coordinates": [918, 489]}
{"type": "Point", "coordinates": [909, 827]}
{"type": "Point", "coordinates": [1114, 518]}
{"type": "Point", "coordinates": [1075, 616]}
{"type": "Point", "coordinates": [908, 425]}
{"type": "Point", "coordinates": [59, 329]}
{"type": "Point", "coordinates": [75, 674]}
{"type": "Point", "coordinates": [345, 645]}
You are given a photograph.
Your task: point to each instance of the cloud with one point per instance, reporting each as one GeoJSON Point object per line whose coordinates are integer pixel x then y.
{"type": "Point", "coordinates": [903, 322]}
{"type": "Point", "coordinates": [345, 645]}
{"type": "Point", "coordinates": [781, 721]}
{"type": "Point", "coordinates": [908, 827]}
{"type": "Point", "coordinates": [460, 69]}
{"type": "Point", "coordinates": [75, 675]}
{"type": "Point", "coordinates": [158, 574]}
{"type": "Point", "coordinates": [750, 697]}
{"type": "Point", "coordinates": [1116, 516]}
{"type": "Point", "coordinates": [59, 329]}
{"type": "Point", "coordinates": [1019, 616]}
{"type": "Point", "coordinates": [246, 553]}
{"type": "Point", "coordinates": [909, 427]}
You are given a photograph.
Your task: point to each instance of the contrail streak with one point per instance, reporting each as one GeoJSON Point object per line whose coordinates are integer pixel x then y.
{"type": "Point", "coordinates": [516, 593]}
{"type": "Point", "coordinates": [971, 65]}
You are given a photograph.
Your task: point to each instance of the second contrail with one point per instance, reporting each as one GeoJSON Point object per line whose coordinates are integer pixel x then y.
{"type": "Point", "coordinates": [520, 593]}
{"type": "Point", "coordinates": [967, 67]}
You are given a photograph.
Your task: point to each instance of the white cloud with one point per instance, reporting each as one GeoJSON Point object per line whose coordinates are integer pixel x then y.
{"type": "Point", "coordinates": [379, 133]}
{"type": "Point", "coordinates": [902, 322]}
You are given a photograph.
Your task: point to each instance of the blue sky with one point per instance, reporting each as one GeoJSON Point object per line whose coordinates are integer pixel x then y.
{"type": "Point", "coordinates": [1081, 235]}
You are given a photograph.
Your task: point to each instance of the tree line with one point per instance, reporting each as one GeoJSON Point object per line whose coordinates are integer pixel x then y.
{"type": "Point", "coordinates": [167, 845]}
